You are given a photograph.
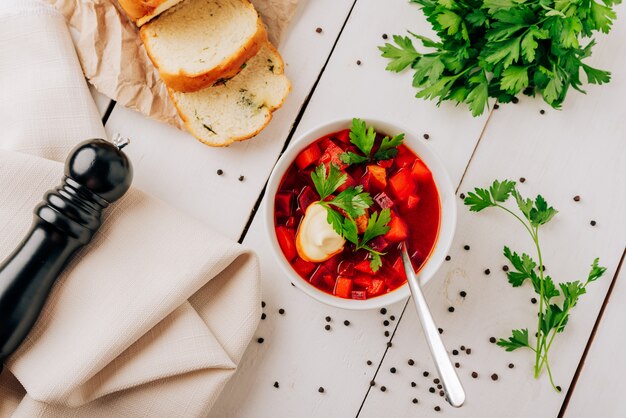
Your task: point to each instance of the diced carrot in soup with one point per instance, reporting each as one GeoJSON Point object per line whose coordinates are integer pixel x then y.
{"type": "Point", "coordinates": [379, 176]}
{"type": "Point", "coordinates": [412, 201]}
{"type": "Point", "coordinates": [343, 287]}
{"type": "Point", "coordinates": [364, 266]}
{"type": "Point", "coordinates": [287, 241]}
{"type": "Point", "coordinates": [398, 230]}
{"type": "Point", "coordinates": [350, 182]}
{"type": "Point", "coordinates": [363, 281]}
{"type": "Point", "coordinates": [331, 155]}
{"type": "Point", "coordinates": [420, 172]}
{"type": "Point", "coordinates": [308, 157]}
{"type": "Point", "coordinates": [402, 185]}
{"type": "Point", "coordinates": [377, 288]}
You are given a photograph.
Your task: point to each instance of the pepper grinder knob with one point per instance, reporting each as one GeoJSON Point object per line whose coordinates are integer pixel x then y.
{"type": "Point", "coordinates": [97, 173]}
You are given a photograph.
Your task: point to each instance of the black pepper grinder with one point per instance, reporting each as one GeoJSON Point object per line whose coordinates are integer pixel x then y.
{"type": "Point", "coordinates": [97, 173]}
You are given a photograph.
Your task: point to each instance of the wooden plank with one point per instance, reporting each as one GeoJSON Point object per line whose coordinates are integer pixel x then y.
{"type": "Point", "coordinates": [172, 165]}
{"type": "Point", "coordinates": [577, 151]}
{"type": "Point", "coordinates": [600, 384]}
{"type": "Point", "coordinates": [297, 351]}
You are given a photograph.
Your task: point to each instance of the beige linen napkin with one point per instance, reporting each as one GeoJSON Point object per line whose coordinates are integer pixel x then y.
{"type": "Point", "coordinates": [153, 316]}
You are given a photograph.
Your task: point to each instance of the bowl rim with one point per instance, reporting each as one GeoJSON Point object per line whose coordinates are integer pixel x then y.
{"type": "Point", "coordinates": [446, 198]}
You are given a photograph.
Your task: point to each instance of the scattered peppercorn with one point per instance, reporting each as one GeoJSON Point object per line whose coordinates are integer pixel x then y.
{"type": "Point", "coordinates": [413, 384]}
{"type": "Point", "coordinates": [448, 258]}
{"type": "Point", "coordinates": [505, 268]}
{"type": "Point", "coordinates": [522, 179]}
{"type": "Point", "coordinates": [411, 362]}
{"type": "Point", "coordinates": [468, 351]}
{"type": "Point", "coordinates": [492, 340]}
{"type": "Point", "coordinates": [385, 36]}
{"type": "Point", "coordinates": [369, 362]}
{"type": "Point", "coordinates": [515, 100]}
{"type": "Point", "coordinates": [321, 390]}
{"type": "Point", "coordinates": [542, 111]}
{"type": "Point", "coordinates": [425, 374]}
{"type": "Point", "coordinates": [358, 62]}
{"type": "Point", "coordinates": [393, 370]}
{"type": "Point", "coordinates": [558, 388]}
{"type": "Point", "coordinates": [431, 389]}
{"type": "Point", "coordinates": [281, 311]}
{"type": "Point", "coordinates": [576, 198]}
{"type": "Point", "coordinates": [346, 322]}
{"type": "Point", "coordinates": [441, 393]}
{"type": "Point", "coordinates": [260, 340]}
{"type": "Point", "coordinates": [383, 311]}
{"type": "Point", "coordinates": [437, 408]}
{"type": "Point", "coordinates": [463, 293]}
{"type": "Point", "coordinates": [511, 365]}
{"type": "Point", "coordinates": [426, 136]}
{"type": "Point", "coordinates": [414, 400]}
{"type": "Point", "coordinates": [386, 333]}
{"type": "Point", "coordinates": [462, 348]}
{"type": "Point", "coordinates": [440, 330]}
{"type": "Point", "coordinates": [474, 375]}
{"type": "Point", "coordinates": [462, 195]}
{"type": "Point", "coordinates": [451, 309]}
{"type": "Point", "coordinates": [220, 172]}
{"type": "Point", "coordinates": [263, 316]}
{"type": "Point", "coordinates": [496, 106]}
{"type": "Point", "coordinates": [457, 365]}
{"type": "Point", "coordinates": [372, 383]}
{"type": "Point", "coordinates": [455, 352]}
{"type": "Point", "coordinates": [593, 223]}
{"type": "Point", "coordinates": [389, 344]}
{"type": "Point", "coordinates": [241, 178]}
{"type": "Point", "coordinates": [487, 272]}
{"type": "Point", "coordinates": [328, 319]}
{"type": "Point", "coordinates": [327, 327]}
{"type": "Point", "coordinates": [386, 323]}
{"type": "Point", "coordinates": [383, 389]}
{"type": "Point", "coordinates": [318, 30]}
{"type": "Point", "coordinates": [466, 247]}
{"type": "Point", "coordinates": [393, 318]}
{"type": "Point", "coordinates": [494, 377]}
{"type": "Point", "coordinates": [533, 300]}
{"type": "Point", "coordinates": [436, 381]}
{"type": "Point", "coordinates": [276, 385]}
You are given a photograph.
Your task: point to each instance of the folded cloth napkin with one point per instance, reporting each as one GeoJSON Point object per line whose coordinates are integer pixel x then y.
{"type": "Point", "coordinates": [150, 319]}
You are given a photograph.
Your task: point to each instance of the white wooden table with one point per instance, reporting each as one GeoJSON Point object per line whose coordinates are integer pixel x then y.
{"type": "Point", "coordinates": [578, 151]}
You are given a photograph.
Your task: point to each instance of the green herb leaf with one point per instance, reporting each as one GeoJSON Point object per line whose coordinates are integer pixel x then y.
{"type": "Point", "coordinates": [402, 55]}
{"type": "Point", "coordinates": [389, 147]}
{"type": "Point", "coordinates": [326, 185]}
{"type": "Point", "coordinates": [518, 339]}
{"type": "Point", "coordinates": [362, 136]}
{"type": "Point", "coordinates": [354, 201]}
{"type": "Point", "coordinates": [377, 225]}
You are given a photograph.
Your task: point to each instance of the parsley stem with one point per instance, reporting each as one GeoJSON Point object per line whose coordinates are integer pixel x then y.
{"type": "Point", "coordinates": [540, 336]}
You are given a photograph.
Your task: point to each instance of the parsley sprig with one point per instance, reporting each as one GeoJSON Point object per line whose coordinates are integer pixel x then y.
{"type": "Point", "coordinates": [364, 137]}
{"type": "Point", "coordinates": [353, 202]}
{"type": "Point", "coordinates": [553, 315]}
{"type": "Point", "coordinates": [501, 48]}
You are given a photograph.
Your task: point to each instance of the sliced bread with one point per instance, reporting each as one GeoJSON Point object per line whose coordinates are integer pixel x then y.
{"type": "Point", "coordinates": [237, 108]}
{"type": "Point", "coordinates": [198, 42]}
{"type": "Point", "coordinates": [141, 11]}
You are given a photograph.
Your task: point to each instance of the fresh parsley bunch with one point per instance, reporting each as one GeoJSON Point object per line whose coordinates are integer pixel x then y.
{"type": "Point", "coordinates": [500, 48]}
{"type": "Point", "coordinates": [554, 305]}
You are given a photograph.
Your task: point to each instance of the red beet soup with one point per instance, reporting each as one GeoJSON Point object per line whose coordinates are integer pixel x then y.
{"type": "Point", "coordinates": [402, 184]}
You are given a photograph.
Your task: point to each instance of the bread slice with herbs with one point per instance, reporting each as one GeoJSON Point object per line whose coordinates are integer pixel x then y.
{"type": "Point", "coordinates": [197, 42]}
{"type": "Point", "coordinates": [238, 108]}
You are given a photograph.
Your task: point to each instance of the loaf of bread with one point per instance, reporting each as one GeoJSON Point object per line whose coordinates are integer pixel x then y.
{"type": "Point", "coordinates": [238, 108]}
{"type": "Point", "coordinates": [197, 42]}
{"type": "Point", "coordinates": [141, 11]}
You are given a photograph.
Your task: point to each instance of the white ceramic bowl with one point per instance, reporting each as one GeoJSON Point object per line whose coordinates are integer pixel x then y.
{"type": "Point", "coordinates": [446, 229]}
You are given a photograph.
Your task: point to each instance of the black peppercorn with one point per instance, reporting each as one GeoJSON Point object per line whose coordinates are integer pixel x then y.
{"type": "Point", "coordinates": [462, 348]}
{"type": "Point", "coordinates": [386, 333]}
{"type": "Point", "coordinates": [413, 384]}
{"type": "Point", "coordinates": [260, 340]}
{"type": "Point", "coordinates": [436, 381]}
{"type": "Point", "coordinates": [383, 311]}
{"type": "Point", "coordinates": [431, 389]}
{"type": "Point", "coordinates": [522, 179]}
{"type": "Point", "coordinates": [468, 351]}
{"type": "Point", "coordinates": [576, 198]}
{"type": "Point", "coordinates": [346, 322]}
{"type": "Point", "coordinates": [437, 408]}
{"type": "Point", "coordinates": [451, 309]}
{"type": "Point", "coordinates": [494, 377]}
{"type": "Point", "coordinates": [276, 384]}
{"type": "Point", "coordinates": [321, 390]}
{"type": "Point", "coordinates": [392, 370]}
{"type": "Point", "coordinates": [496, 106]}
{"type": "Point", "coordinates": [262, 304]}
{"type": "Point", "coordinates": [487, 272]}
{"type": "Point", "coordinates": [327, 327]}
{"type": "Point", "coordinates": [542, 111]}
{"type": "Point", "coordinates": [426, 136]}
{"type": "Point", "coordinates": [462, 195]}
{"type": "Point", "coordinates": [414, 400]}
{"type": "Point", "coordinates": [318, 30]}
{"type": "Point", "coordinates": [411, 362]}
{"type": "Point", "coordinates": [281, 311]}
{"type": "Point", "coordinates": [455, 352]}
{"type": "Point", "coordinates": [558, 388]}
{"type": "Point", "coordinates": [328, 319]}
{"type": "Point", "coordinates": [385, 36]}
{"type": "Point", "coordinates": [440, 330]}
{"type": "Point", "coordinates": [448, 258]}
{"type": "Point", "coordinates": [505, 268]}
{"type": "Point", "coordinates": [358, 62]}
{"type": "Point", "coordinates": [383, 389]}
{"type": "Point", "coordinates": [492, 340]}
{"type": "Point", "coordinates": [441, 393]}
{"type": "Point", "coordinates": [393, 318]}
{"type": "Point", "coordinates": [466, 247]}
{"type": "Point", "coordinates": [593, 223]}
{"type": "Point", "coordinates": [457, 365]}
{"type": "Point", "coordinates": [426, 374]}
{"type": "Point", "coordinates": [263, 316]}
{"type": "Point", "coordinates": [474, 375]}
{"type": "Point", "coordinates": [220, 172]}
{"type": "Point", "coordinates": [515, 100]}
{"type": "Point", "coordinates": [511, 365]}
{"type": "Point", "coordinates": [372, 383]}
{"type": "Point", "coordinates": [369, 362]}
{"type": "Point", "coordinates": [386, 323]}
{"type": "Point", "coordinates": [463, 293]}
{"type": "Point", "coordinates": [533, 300]}
{"type": "Point", "coordinates": [241, 178]}
{"type": "Point", "coordinates": [389, 344]}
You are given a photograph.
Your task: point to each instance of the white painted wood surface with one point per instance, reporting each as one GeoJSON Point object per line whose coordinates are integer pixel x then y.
{"type": "Point", "coordinates": [577, 151]}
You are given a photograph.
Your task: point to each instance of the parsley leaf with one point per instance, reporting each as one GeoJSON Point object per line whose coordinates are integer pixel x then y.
{"type": "Point", "coordinates": [402, 55]}
{"type": "Point", "coordinates": [518, 339]}
{"type": "Point", "coordinates": [353, 201]}
{"type": "Point", "coordinates": [364, 138]}
{"type": "Point", "coordinates": [325, 185]}
{"type": "Point", "coordinates": [377, 225]}
{"type": "Point", "coordinates": [389, 147]}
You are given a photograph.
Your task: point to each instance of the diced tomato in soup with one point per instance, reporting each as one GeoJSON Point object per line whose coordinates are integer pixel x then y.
{"type": "Point", "coordinates": [403, 184]}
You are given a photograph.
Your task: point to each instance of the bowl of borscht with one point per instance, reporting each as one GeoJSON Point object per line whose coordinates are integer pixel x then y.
{"type": "Point", "coordinates": [342, 200]}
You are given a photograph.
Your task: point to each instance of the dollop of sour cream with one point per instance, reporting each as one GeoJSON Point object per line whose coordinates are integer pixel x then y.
{"type": "Point", "coordinates": [317, 240]}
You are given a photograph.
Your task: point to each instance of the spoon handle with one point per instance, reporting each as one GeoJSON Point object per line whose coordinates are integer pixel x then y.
{"type": "Point", "coordinates": [455, 393]}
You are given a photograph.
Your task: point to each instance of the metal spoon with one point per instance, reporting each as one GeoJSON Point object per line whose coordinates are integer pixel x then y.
{"type": "Point", "coordinates": [455, 394]}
